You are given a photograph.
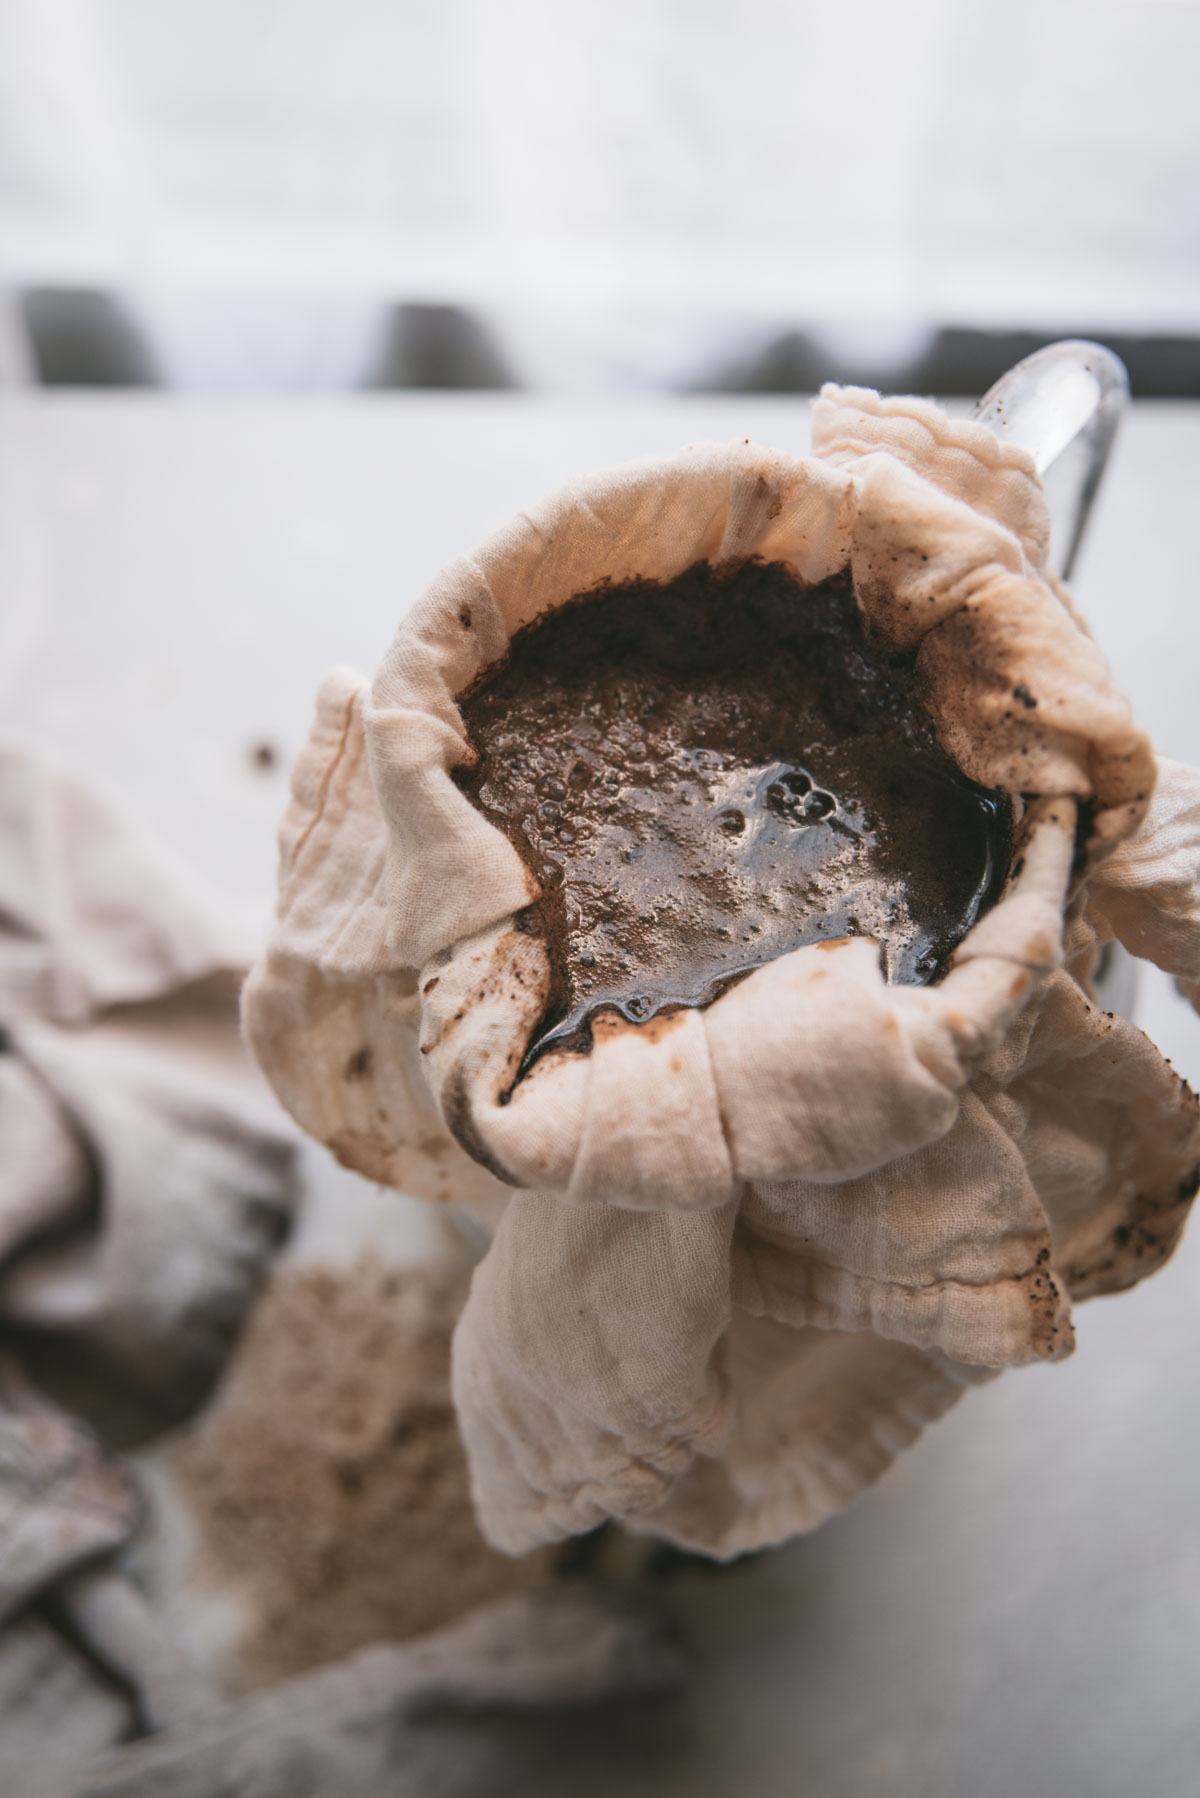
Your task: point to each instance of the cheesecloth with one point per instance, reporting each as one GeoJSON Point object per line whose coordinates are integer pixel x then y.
{"type": "Point", "coordinates": [742, 1255]}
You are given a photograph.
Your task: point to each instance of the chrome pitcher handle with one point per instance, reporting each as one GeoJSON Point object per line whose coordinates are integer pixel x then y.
{"type": "Point", "coordinates": [1063, 404]}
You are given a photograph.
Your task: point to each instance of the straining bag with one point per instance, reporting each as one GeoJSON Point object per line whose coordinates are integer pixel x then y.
{"type": "Point", "coordinates": [744, 1253]}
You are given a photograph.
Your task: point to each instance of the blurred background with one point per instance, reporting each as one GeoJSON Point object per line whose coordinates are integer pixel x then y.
{"type": "Point", "coordinates": [596, 195]}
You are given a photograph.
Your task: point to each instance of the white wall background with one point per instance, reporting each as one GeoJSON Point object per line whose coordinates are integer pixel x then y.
{"type": "Point", "coordinates": [624, 187]}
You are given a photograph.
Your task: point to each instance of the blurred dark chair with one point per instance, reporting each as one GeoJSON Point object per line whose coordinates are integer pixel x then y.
{"type": "Point", "coordinates": [437, 347]}
{"type": "Point", "coordinates": [83, 338]}
{"type": "Point", "coordinates": [792, 362]}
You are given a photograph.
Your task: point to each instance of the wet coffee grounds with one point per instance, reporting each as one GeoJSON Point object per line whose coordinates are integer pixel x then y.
{"type": "Point", "coordinates": [705, 774]}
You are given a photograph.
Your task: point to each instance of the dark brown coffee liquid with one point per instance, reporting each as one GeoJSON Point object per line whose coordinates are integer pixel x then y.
{"type": "Point", "coordinates": [707, 774]}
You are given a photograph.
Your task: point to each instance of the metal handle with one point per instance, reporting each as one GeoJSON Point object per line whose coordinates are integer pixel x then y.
{"type": "Point", "coordinates": [1063, 404]}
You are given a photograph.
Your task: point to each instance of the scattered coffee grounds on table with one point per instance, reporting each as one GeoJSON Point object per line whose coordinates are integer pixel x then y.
{"type": "Point", "coordinates": [706, 774]}
{"type": "Point", "coordinates": [328, 1483]}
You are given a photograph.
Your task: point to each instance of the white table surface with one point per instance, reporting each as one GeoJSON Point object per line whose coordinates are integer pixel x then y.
{"type": "Point", "coordinates": [1016, 1607]}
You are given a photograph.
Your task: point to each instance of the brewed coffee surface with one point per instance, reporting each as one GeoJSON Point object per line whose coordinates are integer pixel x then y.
{"type": "Point", "coordinates": [706, 774]}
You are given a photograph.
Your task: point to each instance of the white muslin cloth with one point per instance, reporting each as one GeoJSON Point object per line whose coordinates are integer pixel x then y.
{"type": "Point", "coordinates": [743, 1254]}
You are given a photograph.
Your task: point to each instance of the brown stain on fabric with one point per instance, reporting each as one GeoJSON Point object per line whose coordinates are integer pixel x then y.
{"type": "Point", "coordinates": [1052, 1335]}
{"type": "Point", "coordinates": [328, 1483]}
{"type": "Point", "coordinates": [460, 1121]}
{"type": "Point", "coordinates": [1144, 1240]}
{"type": "Point", "coordinates": [609, 1024]}
{"type": "Point", "coordinates": [370, 1153]}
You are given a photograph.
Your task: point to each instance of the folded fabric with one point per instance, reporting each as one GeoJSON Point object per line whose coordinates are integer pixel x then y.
{"type": "Point", "coordinates": [90, 920]}
{"type": "Point", "coordinates": [131, 1279]}
{"type": "Point", "coordinates": [62, 1502]}
{"type": "Point", "coordinates": [56, 1714]}
{"type": "Point", "coordinates": [83, 1663]}
{"type": "Point", "coordinates": [390, 1718]}
{"type": "Point", "coordinates": [146, 1180]}
{"type": "Point", "coordinates": [745, 1253]}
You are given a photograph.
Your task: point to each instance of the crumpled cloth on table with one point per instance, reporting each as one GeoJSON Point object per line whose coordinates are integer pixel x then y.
{"type": "Point", "coordinates": [439, 1715]}
{"type": "Point", "coordinates": [145, 1182]}
{"type": "Point", "coordinates": [83, 1661]}
{"type": "Point", "coordinates": [90, 1663]}
{"type": "Point", "coordinates": [744, 1254]}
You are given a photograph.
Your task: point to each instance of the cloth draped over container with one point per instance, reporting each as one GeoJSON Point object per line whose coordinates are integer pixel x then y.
{"type": "Point", "coordinates": [742, 1255]}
